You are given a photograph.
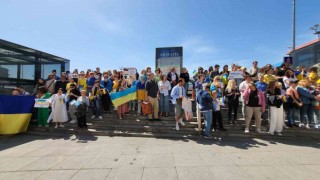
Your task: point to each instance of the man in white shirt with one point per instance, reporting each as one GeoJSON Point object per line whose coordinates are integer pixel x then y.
{"type": "Point", "coordinates": [254, 71]}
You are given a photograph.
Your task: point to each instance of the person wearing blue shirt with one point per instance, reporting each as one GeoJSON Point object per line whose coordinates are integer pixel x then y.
{"type": "Point", "coordinates": [106, 84]}
{"type": "Point", "coordinates": [177, 94]}
{"type": "Point", "coordinates": [90, 82]}
{"type": "Point", "coordinates": [261, 85]}
{"type": "Point", "coordinates": [205, 103]}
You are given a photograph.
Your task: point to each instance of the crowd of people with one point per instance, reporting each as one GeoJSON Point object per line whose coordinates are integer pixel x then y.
{"type": "Point", "coordinates": [284, 90]}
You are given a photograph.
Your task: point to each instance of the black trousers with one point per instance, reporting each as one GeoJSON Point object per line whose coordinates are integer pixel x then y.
{"type": "Point", "coordinates": [105, 102]}
{"type": "Point", "coordinates": [233, 107]}
{"type": "Point", "coordinates": [216, 116]}
{"type": "Point", "coordinates": [82, 122]}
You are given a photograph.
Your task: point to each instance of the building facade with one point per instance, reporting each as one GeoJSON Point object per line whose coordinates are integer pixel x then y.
{"type": "Point", "coordinates": [23, 66]}
{"type": "Point", "coordinates": [306, 55]}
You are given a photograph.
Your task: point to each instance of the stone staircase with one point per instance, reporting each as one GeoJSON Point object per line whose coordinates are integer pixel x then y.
{"type": "Point", "coordinates": [139, 126]}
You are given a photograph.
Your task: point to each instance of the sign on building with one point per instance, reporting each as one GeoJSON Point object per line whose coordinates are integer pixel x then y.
{"type": "Point", "coordinates": [169, 57]}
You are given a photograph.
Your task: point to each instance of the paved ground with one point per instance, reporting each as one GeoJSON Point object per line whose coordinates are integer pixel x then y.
{"type": "Point", "coordinates": [89, 157]}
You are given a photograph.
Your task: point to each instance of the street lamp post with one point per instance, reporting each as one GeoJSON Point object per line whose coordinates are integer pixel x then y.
{"type": "Point", "coordinates": [293, 25]}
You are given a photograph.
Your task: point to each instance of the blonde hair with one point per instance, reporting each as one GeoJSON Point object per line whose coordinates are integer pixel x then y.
{"type": "Point", "coordinates": [231, 85]}
{"type": "Point", "coordinates": [303, 83]}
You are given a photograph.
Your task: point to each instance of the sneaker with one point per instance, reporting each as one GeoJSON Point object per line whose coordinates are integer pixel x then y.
{"type": "Point", "coordinates": [56, 126]}
{"type": "Point", "coordinates": [258, 131]}
{"type": "Point", "coordinates": [61, 125]}
{"type": "Point", "coordinates": [100, 117]}
{"type": "Point", "coordinates": [285, 126]}
{"type": "Point", "coordinates": [246, 130]}
{"type": "Point", "coordinates": [92, 117]}
{"type": "Point", "coordinates": [39, 126]}
{"type": "Point", "coordinates": [279, 134]}
{"type": "Point", "coordinates": [206, 136]}
{"type": "Point", "coordinates": [46, 125]}
{"type": "Point", "coordinates": [271, 133]}
{"type": "Point", "coordinates": [177, 126]}
{"type": "Point", "coordinates": [73, 121]}
{"type": "Point", "coordinates": [301, 125]}
{"type": "Point", "coordinates": [307, 126]}
{"type": "Point", "coordinates": [181, 122]}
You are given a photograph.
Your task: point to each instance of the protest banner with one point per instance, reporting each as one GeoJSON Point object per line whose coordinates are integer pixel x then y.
{"type": "Point", "coordinates": [235, 75]}
{"type": "Point", "coordinates": [41, 103]}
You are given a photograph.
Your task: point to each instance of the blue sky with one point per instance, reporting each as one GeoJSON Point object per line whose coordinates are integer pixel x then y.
{"type": "Point", "coordinates": [115, 33]}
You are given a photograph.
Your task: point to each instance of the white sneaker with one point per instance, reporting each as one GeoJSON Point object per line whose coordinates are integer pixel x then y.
{"type": "Point", "coordinates": [307, 126]}
{"type": "Point", "coordinates": [100, 117]}
{"type": "Point", "coordinates": [285, 126]}
{"type": "Point", "coordinates": [56, 126]}
{"type": "Point", "coordinates": [61, 125]}
{"type": "Point", "coordinates": [73, 121]}
{"type": "Point", "coordinates": [258, 131]}
{"type": "Point", "coordinates": [301, 125]}
{"type": "Point", "coordinates": [246, 130]}
{"type": "Point", "coordinates": [177, 126]}
{"type": "Point", "coordinates": [181, 122]}
{"type": "Point", "coordinates": [279, 134]}
{"type": "Point", "coordinates": [271, 133]}
{"type": "Point", "coordinates": [92, 117]}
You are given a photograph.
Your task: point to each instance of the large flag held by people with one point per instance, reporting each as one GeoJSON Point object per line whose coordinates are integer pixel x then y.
{"type": "Point", "coordinates": [122, 97]}
{"type": "Point", "coordinates": [15, 113]}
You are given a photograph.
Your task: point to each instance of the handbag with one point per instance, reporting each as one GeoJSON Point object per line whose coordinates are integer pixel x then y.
{"type": "Point", "coordinates": [146, 108]}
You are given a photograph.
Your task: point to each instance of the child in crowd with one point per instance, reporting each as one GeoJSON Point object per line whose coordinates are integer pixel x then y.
{"type": "Point", "coordinates": [82, 104]}
{"type": "Point", "coordinates": [216, 113]}
{"type": "Point", "coordinates": [43, 113]}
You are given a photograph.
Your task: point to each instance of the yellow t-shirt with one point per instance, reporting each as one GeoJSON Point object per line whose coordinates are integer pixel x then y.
{"type": "Point", "coordinates": [82, 82]}
{"type": "Point", "coordinates": [268, 78]}
{"type": "Point", "coordinates": [68, 86]}
{"type": "Point", "coordinates": [313, 77]}
{"type": "Point", "coordinates": [318, 82]}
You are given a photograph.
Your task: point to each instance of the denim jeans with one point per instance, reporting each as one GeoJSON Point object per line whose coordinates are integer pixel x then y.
{"type": "Point", "coordinates": [291, 111]}
{"type": "Point", "coordinates": [208, 122]}
{"type": "Point", "coordinates": [96, 107]}
{"type": "Point", "coordinates": [306, 113]}
{"type": "Point", "coordinates": [164, 103]}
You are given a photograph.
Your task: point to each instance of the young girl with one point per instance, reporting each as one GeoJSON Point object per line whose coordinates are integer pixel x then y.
{"type": "Point", "coordinates": [123, 108]}
{"type": "Point", "coordinates": [216, 113]}
{"type": "Point", "coordinates": [141, 91]}
{"type": "Point", "coordinates": [83, 103]}
{"type": "Point", "coordinates": [132, 82]}
{"type": "Point", "coordinates": [43, 113]}
{"type": "Point", "coordinates": [275, 100]}
{"type": "Point", "coordinates": [94, 98]}
{"type": "Point", "coordinates": [233, 94]}
{"type": "Point", "coordinates": [164, 88]}
{"type": "Point", "coordinates": [59, 109]}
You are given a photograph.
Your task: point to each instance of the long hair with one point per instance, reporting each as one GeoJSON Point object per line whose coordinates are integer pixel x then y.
{"type": "Point", "coordinates": [231, 85]}
{"type": "Point", "coordinates": [271, 86]}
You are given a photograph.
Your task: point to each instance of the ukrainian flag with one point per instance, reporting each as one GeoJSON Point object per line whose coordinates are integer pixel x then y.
{"type": "Point", "coordinates": [122, 97]}
{"type": "Point", "coordinates": [15, 113]}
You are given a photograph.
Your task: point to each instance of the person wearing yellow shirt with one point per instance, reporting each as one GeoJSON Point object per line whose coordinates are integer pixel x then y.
{"type": "Point", "coordinates": [269, 76]}
{"type": "Point", "coordinates": [71, 81]}
{"type": "Point", "coordinates": [82, 81]}
{"type": "Point", "coordinates": [313, 75]}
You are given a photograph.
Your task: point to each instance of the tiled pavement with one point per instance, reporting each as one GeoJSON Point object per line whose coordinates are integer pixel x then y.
{"type": "Point", "coordinates": [129, 158]}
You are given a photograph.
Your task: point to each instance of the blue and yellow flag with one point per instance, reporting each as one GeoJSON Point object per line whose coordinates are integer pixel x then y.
{"type": "Point", "coordinates": [15, 113]}
{"type": "Point", "coordinates": [122, 97]}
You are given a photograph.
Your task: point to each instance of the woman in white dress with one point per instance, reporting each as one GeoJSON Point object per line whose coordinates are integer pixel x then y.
{"type": "Point", "coordinates": [59, 109]}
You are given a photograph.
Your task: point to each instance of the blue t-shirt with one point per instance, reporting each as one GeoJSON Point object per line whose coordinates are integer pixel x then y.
{"type": "Point", "coordinates": [262, 86]}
